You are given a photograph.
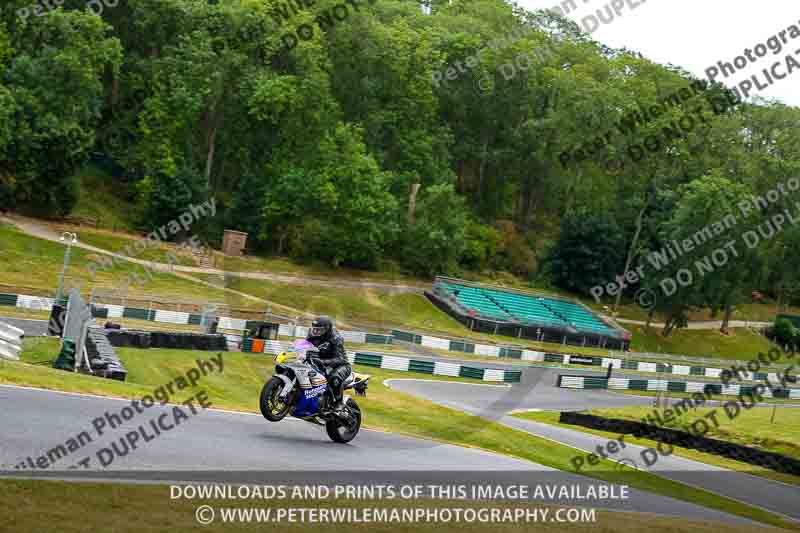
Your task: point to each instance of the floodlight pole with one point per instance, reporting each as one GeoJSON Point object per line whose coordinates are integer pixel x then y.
{"type": "Point", "coordinates": [70, 239]}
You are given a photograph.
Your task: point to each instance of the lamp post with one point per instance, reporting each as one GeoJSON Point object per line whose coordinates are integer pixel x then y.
{"type": "Point", "coordinates": [70, 239]}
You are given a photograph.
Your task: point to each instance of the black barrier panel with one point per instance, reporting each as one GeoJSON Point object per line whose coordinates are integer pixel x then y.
{"type": "Point", "coordinates": [553, 358]}
{"type": "Point", "coordinates": [457, 346]}
{"type": "Point", "coordinates": [55, 326]}
{"type": "Point", "coordinates": [8, 299]}
{"type": "Point", "coordinates": [403, 335]}
{"type": "Point", "coordinates": [676, 386]}
{"type": "Point", "coordinates": [99, 312]}
{"type": "Point", "coordinates": [773, 461]}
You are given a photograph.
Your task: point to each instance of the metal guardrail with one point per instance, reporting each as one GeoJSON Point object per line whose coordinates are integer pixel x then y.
{"type": "Point", "coordinates": [10, 341]}
{"type": "Point", "coordinates": [692, 359]}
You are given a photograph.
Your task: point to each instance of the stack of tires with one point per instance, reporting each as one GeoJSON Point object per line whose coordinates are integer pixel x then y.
{"type": "Point", "coordinates": [125, 338]}
{"type": "Point", "coordinates": [164, 339]}
{"type": "Point", "coordinates": [102, 357]}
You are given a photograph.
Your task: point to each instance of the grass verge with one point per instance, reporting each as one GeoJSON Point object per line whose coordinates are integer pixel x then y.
{"type": "Point", "coordinates": [32, 266]}
{"type": "Point", "coordinates": [742, 343]}
{"type": "Point", "coordinates": [749, 433]}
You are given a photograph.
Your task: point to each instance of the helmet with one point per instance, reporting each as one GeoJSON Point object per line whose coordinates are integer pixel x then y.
{"type": "Point", "coordinates": [320, 330]}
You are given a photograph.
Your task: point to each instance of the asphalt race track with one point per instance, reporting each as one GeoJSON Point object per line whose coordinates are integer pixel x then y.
{"type": "Point", "coordinates": [538, 391]}
{"type": "Point", "coordinates": [217, 445]}
{"type": "Point", "coordinates": [31, 327]}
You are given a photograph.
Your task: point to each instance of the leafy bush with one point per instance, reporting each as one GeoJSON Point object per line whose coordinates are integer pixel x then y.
{"type": "Point", "coordinates": [589, 251]}
{"type": "Point", "coordinates": [481, 245]}
{"type": "Point", "coordinates": [784, 331]}
{"type": "Point", "coordinates": [437, 240]}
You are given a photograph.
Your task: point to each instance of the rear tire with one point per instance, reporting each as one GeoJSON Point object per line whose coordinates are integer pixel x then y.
{"type": "Point", "coordinates": [339, 430]}
{"type": "Point", "coordinates": [272, 408]}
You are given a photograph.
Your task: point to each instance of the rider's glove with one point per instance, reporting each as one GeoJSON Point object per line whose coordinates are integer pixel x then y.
{"type": "Point", "coordinates": [325, 346]}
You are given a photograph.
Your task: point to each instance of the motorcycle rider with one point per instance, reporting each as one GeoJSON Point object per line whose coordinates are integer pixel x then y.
{"type": "Point", "coordinates": [330, 346]}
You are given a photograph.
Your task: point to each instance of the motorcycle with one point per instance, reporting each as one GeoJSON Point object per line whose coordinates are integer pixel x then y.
{"type": "Point", "coordinates": [299, 387]}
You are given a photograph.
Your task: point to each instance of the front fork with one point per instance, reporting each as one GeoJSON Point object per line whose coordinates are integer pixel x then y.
{"type": "Point", "coordinates": [288, 385]}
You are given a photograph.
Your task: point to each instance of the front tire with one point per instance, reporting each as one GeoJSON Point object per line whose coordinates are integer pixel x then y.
{"type": "Point", "coordinates": [343, 431]}
{"type": "Point", "coordinates": [272, 407]}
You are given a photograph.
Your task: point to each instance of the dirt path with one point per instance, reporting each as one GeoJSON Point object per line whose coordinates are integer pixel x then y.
{"type": "Point", "coordinates": [35, 228]}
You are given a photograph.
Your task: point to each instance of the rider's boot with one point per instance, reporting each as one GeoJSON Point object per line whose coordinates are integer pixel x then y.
{"type": "Point", "coordinates": [338, 407]}
{"type": "Point", "coordinates": [338, 403]}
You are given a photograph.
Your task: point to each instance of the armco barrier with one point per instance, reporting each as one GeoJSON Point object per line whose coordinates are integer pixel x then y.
{"type": "Point", "coordinates": [651, 367]}
{"type": "Point", "coordinates": [110, 311]}
{"type": "Point", "coordinates": [405, 364]}
{"type": "Point", "coordinates": [517, 352]}
{"type": "Point", "coordinates": [738, 452]}
{"type": "Point", "coordinates": [464, 346]}
{"type": "Point", "coordinates": [584, 382]}
{"type": "Point", "coordinates": [437, 368]}
{"type": "Point", "coordinates": [10, 341]}
{"type": "Point", "coordinates": [300, 332]}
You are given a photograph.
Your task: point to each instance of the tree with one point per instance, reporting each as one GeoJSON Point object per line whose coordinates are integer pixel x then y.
{"type": "Point", "coordinates": [53, 84]}
{"type": "Point", "coordinates": [165, 196]}
{"type": "Point", "coordinates": [437, 240]}
{"type": "Point", "coordinates": [784, 331]}
{"type": "Point", "coordinates": [589, 251]}
{"type": "Point", "coordinates": [715, 266]}
{"type": "Point", "coordinates": [341, 211]}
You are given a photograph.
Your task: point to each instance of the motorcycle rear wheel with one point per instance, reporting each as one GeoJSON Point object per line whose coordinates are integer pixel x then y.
{"type": "Point", "coordinates": [272, 408]}
{"type": "Point", "coordinates": [342, 431]}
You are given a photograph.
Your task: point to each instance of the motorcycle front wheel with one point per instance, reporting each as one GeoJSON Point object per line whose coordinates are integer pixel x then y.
{"type": "Point", "coordinates": [345, 430]}
{"type": "Point", "coordinates": [272, 407]}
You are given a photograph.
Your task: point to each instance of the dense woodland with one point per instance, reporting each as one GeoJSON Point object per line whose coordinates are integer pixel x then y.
{"type": "Point", "coordinates": [340, 148]}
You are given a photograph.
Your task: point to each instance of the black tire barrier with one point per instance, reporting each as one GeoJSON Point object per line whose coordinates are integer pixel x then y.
{"type": "Point", "coordinates": [164, 339]}
{"type": "Point", "coordinates": [738, 452]}
{"type": "Point", "coordinates": [103, 360]}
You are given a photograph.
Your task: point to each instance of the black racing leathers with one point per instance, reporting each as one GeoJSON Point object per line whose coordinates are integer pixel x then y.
{"type": "Point", "coordinates": [333, 357]}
